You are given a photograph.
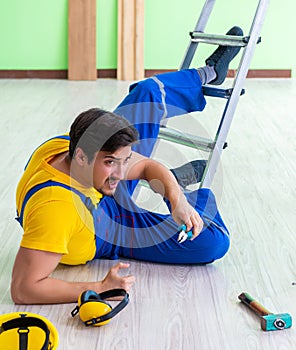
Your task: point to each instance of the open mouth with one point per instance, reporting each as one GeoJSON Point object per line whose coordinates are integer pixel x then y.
{"type": "Point", "coordinates": [112, 183]}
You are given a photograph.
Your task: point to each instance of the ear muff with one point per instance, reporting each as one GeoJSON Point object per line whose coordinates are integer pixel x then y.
{"type": "Point", "coordinates": [94, 311]}
{"type": "Point", "coordinates": [27, 331]}
{"type": "Point", "coordinates": [92, 306]}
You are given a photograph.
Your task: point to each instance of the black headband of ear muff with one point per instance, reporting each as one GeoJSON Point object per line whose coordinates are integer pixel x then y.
{"type": "Point", "coordinates": [23, 323]}
{"type": "Point", "coordinates": [102, 296]}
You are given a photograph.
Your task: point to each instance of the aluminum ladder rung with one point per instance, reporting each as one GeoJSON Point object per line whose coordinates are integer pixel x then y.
{"type": "Point", "coordinates": [185, 139]}
{"type": "Point", "coordinates": [217, 39]}
{"type": "Point", "coordinates": [218, 92]}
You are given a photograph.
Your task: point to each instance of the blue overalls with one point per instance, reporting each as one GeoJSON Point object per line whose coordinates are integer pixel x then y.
{"type": "Point", "coordinates": [125, 230]}
{"type": "Point", "coordinates": [122, 228]}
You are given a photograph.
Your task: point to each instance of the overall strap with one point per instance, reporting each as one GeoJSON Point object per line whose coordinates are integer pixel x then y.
{"type": "Point", "coordinates": [86, 200]}
{"type": "Point", "coordinates": [63, 137]}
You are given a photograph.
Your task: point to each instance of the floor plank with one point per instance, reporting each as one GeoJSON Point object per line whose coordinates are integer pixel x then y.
{"type": "Point", "coordinates": [176, 307]}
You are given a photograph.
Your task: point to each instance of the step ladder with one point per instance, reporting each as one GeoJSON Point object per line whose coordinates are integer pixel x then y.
{"type": "Point", "coordinates": [231, 95]}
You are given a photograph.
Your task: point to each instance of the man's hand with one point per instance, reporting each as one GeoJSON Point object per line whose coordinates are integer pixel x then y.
{"type": "Point", "coordinates": [114, 280]}
{"type": "Point", "coordinates": [184, 213]}
{"type": "Point", "coordinates": [162, 181]}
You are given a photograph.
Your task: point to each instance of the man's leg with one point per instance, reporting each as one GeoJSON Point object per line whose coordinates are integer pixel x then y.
{"type": "Point", "coordinates": [125, 230]}
{"type": "Point", "coordinates": [151, 101]}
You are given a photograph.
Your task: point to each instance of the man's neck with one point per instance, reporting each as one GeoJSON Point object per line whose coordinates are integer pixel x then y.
{"type": "Point", "coordinates": [62, 163]}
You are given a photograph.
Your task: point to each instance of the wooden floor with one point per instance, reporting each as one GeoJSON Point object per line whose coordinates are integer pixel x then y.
{"type": "Point", "coordinates": [176, 307]}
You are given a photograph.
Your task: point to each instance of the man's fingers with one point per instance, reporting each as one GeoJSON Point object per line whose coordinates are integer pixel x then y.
{"type": "Point", "coordinates": [197, 228]}
{"type": "Point", "coordinates": [127, 282]}
{"type": "Point", "coordinates": [120, 266]}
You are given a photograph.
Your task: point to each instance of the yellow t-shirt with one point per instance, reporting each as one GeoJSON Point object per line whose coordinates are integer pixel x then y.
{"type": "Point", "coordinates": [55, 219]}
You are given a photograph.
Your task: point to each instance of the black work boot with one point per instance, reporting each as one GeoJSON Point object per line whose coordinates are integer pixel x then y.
{"type": "Point", "coordinates": [189, 173]}
{"type": "Point", "coordinates": [222, 56]}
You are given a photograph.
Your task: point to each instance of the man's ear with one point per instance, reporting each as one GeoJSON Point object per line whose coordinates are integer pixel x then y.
{"type": "Point", "coordinates": [80, 156]}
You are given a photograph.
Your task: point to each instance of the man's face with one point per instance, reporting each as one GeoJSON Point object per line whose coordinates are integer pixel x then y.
{"type": "Point", "coordinates": [109, 169]}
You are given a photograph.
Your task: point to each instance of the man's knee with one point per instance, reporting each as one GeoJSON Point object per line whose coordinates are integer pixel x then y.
{"type": "Point", "coordinates": [214, 247]}
{"type": "Point", "coordinates": [221, 247]}
{"type": "Point", "coordinates": [144, 88]}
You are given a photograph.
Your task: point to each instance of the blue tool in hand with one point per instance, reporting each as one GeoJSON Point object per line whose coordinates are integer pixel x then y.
{"type": "Point", "coordinates": [183, 235]}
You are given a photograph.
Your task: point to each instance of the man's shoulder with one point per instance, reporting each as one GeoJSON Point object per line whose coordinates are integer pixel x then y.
{"type": "Point", "coordinates": [50, 148]}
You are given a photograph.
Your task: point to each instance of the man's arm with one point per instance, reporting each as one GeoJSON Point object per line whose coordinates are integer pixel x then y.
{"type": "Point", "coordinates": [163, 181]}
{"type": "Point", "coordinates": [31, 283]}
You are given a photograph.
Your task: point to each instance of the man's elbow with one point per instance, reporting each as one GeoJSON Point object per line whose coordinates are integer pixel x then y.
{"type": "Point", "coordinates": [18, 293]}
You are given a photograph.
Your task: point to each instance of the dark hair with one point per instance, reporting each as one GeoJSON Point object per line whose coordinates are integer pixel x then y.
{"type": "Point", "coordinates": [99, 130]}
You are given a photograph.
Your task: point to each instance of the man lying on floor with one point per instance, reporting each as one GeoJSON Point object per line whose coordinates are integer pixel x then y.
{"type": "Point", "coordinates": [74, 198]}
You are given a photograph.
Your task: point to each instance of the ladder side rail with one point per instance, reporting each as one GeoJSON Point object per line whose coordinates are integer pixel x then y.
{"type": "Point", "coordinates": [200, 26]}
{"type": "Point", "coordinates": [231, 105]}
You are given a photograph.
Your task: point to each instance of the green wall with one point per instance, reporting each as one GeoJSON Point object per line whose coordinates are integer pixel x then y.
{"type": "Point", "coordinates": [33, 33]}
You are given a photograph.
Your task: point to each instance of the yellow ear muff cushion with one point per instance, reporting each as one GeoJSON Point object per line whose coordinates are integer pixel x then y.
{"type": "Point", "coordinates": [93, 309]}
